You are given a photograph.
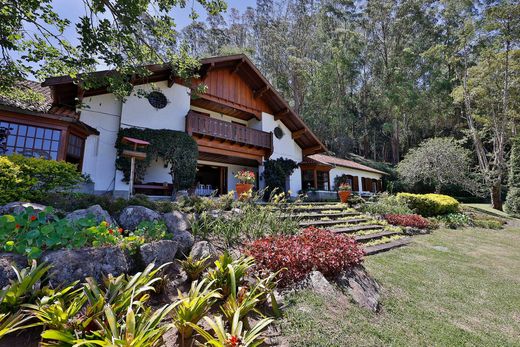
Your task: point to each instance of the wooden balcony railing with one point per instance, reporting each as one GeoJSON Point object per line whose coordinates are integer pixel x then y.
{"type": "Point", "coordinates": [200, 124]}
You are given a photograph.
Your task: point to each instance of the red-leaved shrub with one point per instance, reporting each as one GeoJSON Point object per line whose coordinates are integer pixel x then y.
{"type": "Point", "coordinates": [408, 220]}
{"type": "Point", "coordinates": [312, 249]}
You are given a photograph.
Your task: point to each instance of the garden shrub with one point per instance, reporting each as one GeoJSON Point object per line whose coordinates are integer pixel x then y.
{"type": "Point", "coordinates": [313, 249]}
{"type": "Point", "coordinates": [386, 204]}
{"type": "Point", "coordinates": [30, 233]}
{"type": "Point", "coordinates": [454, 220]}
{"type": "Point", "coordinates": [429, 204]}
{"type": "Point", "coordinates": [276, 172]}
{"type": "Point", "coordinates": [408, 220]}
{"type": "Point", "coordinates": [33, 178]}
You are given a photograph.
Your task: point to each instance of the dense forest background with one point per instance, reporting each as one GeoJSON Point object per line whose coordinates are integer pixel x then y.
{"type": "Point", "coordinates": [375, 78]}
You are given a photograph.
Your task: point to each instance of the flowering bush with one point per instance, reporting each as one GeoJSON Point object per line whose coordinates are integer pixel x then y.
{"type": "Point", "coordinates": [344, 187]}
{"type": "Point", "coordinates": [408, 220]}
{"type": "Point", "coordinates": [313, 249]}
{"type": "Point", "coordinates": [245, 176]}
{"type": "Point", "coordinates": [428, 205]}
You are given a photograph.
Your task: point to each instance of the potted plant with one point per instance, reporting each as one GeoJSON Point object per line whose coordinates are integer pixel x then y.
{"type": "Point", "coordinates": [246, 178]}
{"type": "Point", "coordinates": [344, 191]}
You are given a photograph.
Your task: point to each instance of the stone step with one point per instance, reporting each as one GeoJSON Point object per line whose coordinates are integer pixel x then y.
{"type": "Point", "coordinates": [320, 215]}
{"type": "Point", "coordinates": [356, 228]}
{"type": "Point", "coordinates": [370, 250]}
{"type": "Point", "coordinates": [374, 236]}
{"type": "Point", "coordinates": [317, 223]}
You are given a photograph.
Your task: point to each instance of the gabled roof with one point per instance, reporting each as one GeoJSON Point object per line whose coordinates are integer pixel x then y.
{"type": "Point", "coordinates": [306, 139]}
{"type": "Point", "coordinates": [328, 160]}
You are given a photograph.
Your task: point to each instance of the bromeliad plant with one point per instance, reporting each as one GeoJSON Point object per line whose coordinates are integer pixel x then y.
{"type": "Point", "coordinates": [228, 273]}
{"type": "Point", "coordinates": [194, 268]}
{"type": "Point", "coordinates": [236, 336]}
{"type": "Point", "coordinates": [192, 307]}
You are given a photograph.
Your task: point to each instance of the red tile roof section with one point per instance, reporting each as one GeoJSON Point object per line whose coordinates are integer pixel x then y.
{"type": "Point", "coordinates": [326, 159]}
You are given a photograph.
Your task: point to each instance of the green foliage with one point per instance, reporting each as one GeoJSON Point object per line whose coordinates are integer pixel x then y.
{"type": "Point", "coordinates": [454, 220]}
{"type": "Point", "coordinates": [70, 201]}
{"type": "Point", "coordinates": [512, 205]}
{"type": "Point", "coordinates": [177, 149]}
{"type": "Point", "coordinates": [236, 336]}
{"type": "Point", "coordinates": [194, 268]}
{"type": "Point", "coordinates": [30, 233]}
{"type": "Point", "coordinates": [438, 162]}
{"type": "Point", "coordinates": [150, 231]}
{"type": "Point", "coordinates": [194, 305]}
{"type": "Point", "coordinates": [429, 204]}
{"type": "Point", "coordinates": [137, 33]}
{"type": "Point", "coordinates": [24, 288]}
{"type": "Point", "coordinates": [251, 222]}
{"type": "Point", "coordinates": [228, 273]}
{"type": "Point", "coordinates": [32, 178]}
{"type": "Point", "coordinates": [386, 204]}
{"type": "Point", "coordinates": [276, 172]}
{"type": "Point", "coordinates": [200, 204]}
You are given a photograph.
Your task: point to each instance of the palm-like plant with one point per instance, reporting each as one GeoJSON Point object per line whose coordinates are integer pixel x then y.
{"type": "Point", "coordinates": [194, 268]}
{"type": "Point", "coordinates": [245, 302]}
{"type": "Point", "coordinates": [23, 288]}
{"type": "Point", "coordinates": [237, 336]}
{"type": "Point", "coordinates": [192, 307]}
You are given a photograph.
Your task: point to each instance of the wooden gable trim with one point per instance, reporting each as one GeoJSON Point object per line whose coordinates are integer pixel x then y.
{"type": "Point", "coordinates": [281, 114]}
{"type": "Point", "coordinates": [258, 93]}
{"type": "Point", "coordinates": [298, 133]}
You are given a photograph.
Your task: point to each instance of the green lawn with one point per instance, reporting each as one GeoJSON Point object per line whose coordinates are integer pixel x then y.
{"type": "Point", "coordinates": [449, 288]}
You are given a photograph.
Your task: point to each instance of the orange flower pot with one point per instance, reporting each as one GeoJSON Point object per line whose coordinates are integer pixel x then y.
{"type": "Point", "coordinates": [344, 195]}
{"type": "Point", "coordinates": [242, 188]}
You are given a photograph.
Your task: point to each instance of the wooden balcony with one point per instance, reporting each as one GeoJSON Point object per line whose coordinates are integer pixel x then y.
{"type": "Point", "coordinates": [227, 139]}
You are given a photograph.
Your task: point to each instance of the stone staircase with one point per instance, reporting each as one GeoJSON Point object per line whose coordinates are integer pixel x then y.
{"type": "Point", "coordinates": [375, 235]}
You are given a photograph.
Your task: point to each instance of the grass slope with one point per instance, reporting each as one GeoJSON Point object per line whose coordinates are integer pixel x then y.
{"type": "Point", "coordinates": [449, 288]}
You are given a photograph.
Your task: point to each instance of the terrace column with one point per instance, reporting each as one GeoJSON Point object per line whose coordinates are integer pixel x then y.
{"type": "Point", "coordinates": [360, 184]}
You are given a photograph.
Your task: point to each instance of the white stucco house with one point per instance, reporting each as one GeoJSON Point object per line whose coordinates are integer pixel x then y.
{"type": "Point", "coordinates": [239, 122]}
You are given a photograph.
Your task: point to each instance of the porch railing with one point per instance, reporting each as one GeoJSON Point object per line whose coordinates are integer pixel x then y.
{"type": "Point", "coordinates": [201, 124]}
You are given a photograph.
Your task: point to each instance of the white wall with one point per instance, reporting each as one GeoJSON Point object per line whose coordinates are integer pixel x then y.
{"type": "Point", "coordinates": [137, 111]}
{"type": "Point", "coordinates": [285, 147]}
{"type": "Point", "coordinates": [102, 113]}
{"type": "Point", "coordinates": [339, 170]}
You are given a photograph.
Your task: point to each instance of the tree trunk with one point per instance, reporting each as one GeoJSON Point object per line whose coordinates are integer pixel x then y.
{"type": "Point", "coordinates": [496, 196]}
{"type": "Point", "coordinates": [394, 141]}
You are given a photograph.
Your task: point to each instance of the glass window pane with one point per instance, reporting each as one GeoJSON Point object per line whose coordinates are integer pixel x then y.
{"type": "Point", "coordinates": [11, 139]}
{"type": "Point", "coordinates": [31, 131]}
{"type": "Point", "coordinates": [54, 155]}
{"type": "Point", "coordinates": [46, 144]}
{"type": "Point", "coordinates": [56, 135]}
{"type": "Point", "coordinates": [20, 141]}
{"type": "Point", "coordinates": [29, 143]}
{"type": "Point", "coordinates": [38, 143]}
{"type": "Point", "coordinates": [22, 130]}
{"type": "Point", "coordinates": [39, 133]}
{"type": "Point", "coordinates": [55, 145]}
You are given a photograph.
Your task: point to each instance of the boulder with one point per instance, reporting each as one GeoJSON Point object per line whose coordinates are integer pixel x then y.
{"type": "Point", "coordinates": [158, 252]}
{"type": "Point", "coordinates": [69, 265]}
{"type": "Point", "coordinates": [363, 289]}
{"type": "Point", "coordinates": [203, 249]}
{"type": "Point", "coordinates": [185, 242]}
{"type": "Point", "coordinates": [19, 206]}
{"type": "Point", "coordinates": [131, 216]}
{"type": "Point", "coordinates": [7, 260]}
{"type": "Point", "coordinates": [176, 221]}
{"type": "Point", "coordinates": [95, 210]}
{"type": "Point", "coordinates": [318, 284]}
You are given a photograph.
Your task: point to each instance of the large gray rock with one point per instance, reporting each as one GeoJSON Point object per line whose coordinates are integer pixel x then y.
{"type": "Point", "coordinates": [96, 211]}
{"type": "Point", "coordinates": [131, 216]}
{"type": "Point", "coordinates": [318, 284]}
{"type": "Point", "coordinates": [7, 260]}
{"type": "Point", "coordinates": [158, 252]}
{"type": "Point", "coordinates": [203, 249]}
{"type": "Point", "coordinates": [185, 241]}
{"type": "Point", "coordinates": [17, 207]}
{"type": "Point", "coordinates": [176, 221]}
{"type": "Point", "coordinates": [74, 265]}
{"type": "Point", "coordinates": [363, 289]}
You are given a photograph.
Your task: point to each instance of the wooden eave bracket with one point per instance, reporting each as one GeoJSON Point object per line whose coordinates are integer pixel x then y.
{"type": "Point", "coordinates": [260, 92]}
{"type": "Point", "coordinates": [281, 114]}
{"type": "Point", "coordinates": [298, 133]}
{"type": "Point", "coordinates": [311, 150]}
{"type": "Point", "coordinates": [237, 66]}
